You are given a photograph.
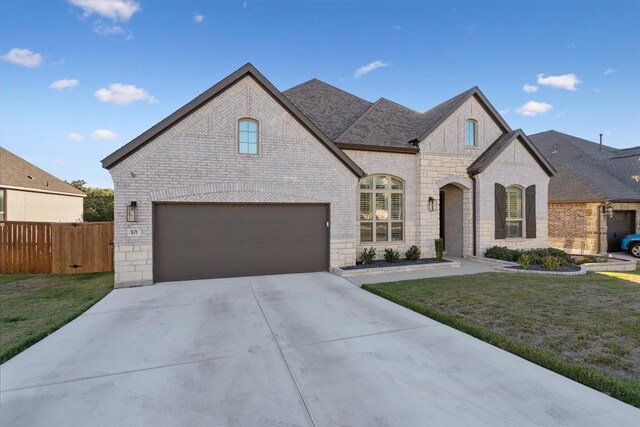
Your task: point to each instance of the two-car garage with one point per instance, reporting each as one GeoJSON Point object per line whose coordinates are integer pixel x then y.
{"type": "Point", "coordinates": [202, 241]}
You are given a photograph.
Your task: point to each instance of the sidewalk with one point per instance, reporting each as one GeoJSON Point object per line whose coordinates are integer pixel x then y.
{"type": "Point", "coordinates": [466, 267]}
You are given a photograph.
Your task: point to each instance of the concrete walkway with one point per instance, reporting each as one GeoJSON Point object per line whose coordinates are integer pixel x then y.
{"type": "Point", "coordinates": [307, 349]}
{"type": "Point", "coordinates": [467, 266]}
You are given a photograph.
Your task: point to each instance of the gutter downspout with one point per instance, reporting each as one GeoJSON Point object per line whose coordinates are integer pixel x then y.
{"type": "Point", "coordinates": [473, 209]}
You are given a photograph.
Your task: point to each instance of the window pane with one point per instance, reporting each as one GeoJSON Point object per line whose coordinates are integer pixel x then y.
{"type": "Point", "coordinates": [365, 183]}
{"type": "Point", "coordinates": [396, 206]}
{"type": "Point", "coordinates": [244, 125]}
{"type": "Point", "coordinates": [382, 232]}
{"type": "Point", "coordinates": [382, 206]}
{"type": "Point", "coordinates": [366, 206]}
{"type": "Point", "coordinates": [470, 133]}
{"type": "Point", "coordinates": [514, 203]}
{"type": "Point", "coordinates": [244, 148]}
{"type": "Point", "coordinates": [382, 182]}
{"type": "Point", "coordinates": [253, 149]}
{"type": "Point", "coordinates": [252, 126]}
{"type": "Point", "coordinates": [366, 232]}
{"type": "Point", "coordinates": [396, 231]}
{"type": "Point", "coordinates": [396, 184]}
{"type": "Point", "coordinates": [514, 228]}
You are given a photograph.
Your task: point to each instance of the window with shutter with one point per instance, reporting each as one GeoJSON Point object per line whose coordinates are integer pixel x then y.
{"type": "Point", "coordinates": [530, 205]}
{"type": "Point", "coordinates": [500, 210]}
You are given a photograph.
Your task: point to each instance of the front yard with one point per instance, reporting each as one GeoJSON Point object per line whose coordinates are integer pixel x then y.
{"type": "Point", "coordinates": [34, 306]}
{"type": "Point", "coordinates": [584, 327]}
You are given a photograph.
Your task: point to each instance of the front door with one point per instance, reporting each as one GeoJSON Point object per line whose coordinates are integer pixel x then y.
{"type": "Point", "coordinates": [618, 226]}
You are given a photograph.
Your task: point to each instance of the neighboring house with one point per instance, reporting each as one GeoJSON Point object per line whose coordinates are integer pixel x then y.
{"type": "Point", "coordinates": [27, 193]}
{"type": "Point", "coordinates": [247, 180]}
{"type": "Point", "coordinates": [593, 199]}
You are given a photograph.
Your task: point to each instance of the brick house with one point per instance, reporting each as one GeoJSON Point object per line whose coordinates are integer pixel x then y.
{"type": "Point", "coordinates": [593, 199]}
{"type": "Point", "coordinates": [248, 180]}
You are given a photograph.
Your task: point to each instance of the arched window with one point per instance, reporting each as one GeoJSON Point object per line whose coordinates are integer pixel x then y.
{"type": "Point", "coordinates": [247, 136]}
{"type": "Point", "coordinates": [470, 132]}
{"type": "Point", "coordinates": [381, 209]}
{"type": "Point", "coordinates": [514, 210]}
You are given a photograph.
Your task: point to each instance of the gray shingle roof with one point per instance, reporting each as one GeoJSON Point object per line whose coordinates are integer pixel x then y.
{"type": "Point", "coordinates": [331, 109]}
{"type": "Point", "coordinates": [585, 172]}
{"type": "Point", "coordinates": [17, 172]}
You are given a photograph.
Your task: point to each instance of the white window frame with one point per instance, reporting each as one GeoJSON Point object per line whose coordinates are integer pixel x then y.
{"type": "Point", "coordinates": [475, 133]}
{"type": "Point", "coordinates": [376, 214]}
{"type": "Point", "coordinates": [514, 219]}
{"type": "Point", "coordinates": [257, 123]}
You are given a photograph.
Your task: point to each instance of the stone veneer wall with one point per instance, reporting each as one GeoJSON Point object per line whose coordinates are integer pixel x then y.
{"type": "Point", "coordinates": [197, 161]}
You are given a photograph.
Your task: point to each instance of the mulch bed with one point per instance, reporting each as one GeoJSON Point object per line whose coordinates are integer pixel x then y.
{"type": "Point", "coordinates": [402, 262]}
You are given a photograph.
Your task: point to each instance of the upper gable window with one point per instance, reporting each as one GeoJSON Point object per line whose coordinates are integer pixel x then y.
{"type": "Point", "coordinates": [247, 136]}
{"type": "Point", "coordinates": [470, 133]}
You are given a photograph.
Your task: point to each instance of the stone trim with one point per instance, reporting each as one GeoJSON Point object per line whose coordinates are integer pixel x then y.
{"type": "Point", "coordinates": [461, 182]}
{"type": "Point", "coordinates": [196, 192]}
{"type": "Point", "coordinates": [398, 269]}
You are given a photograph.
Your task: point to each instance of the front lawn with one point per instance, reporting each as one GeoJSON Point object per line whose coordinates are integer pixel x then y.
{"type": "Point", "coordinates": [34, 306]}
{"type": "Point", "coordinates": [584, 327]}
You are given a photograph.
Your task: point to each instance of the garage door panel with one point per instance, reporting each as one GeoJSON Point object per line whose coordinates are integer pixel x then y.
{"type": "Point", "coordinates": [198, 241]}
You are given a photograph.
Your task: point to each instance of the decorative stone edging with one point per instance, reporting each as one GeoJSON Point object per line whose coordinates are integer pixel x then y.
{"type": "Point", "coordinates": [398, 269]}
{"type": "Point", "coordinates": [581, 272]}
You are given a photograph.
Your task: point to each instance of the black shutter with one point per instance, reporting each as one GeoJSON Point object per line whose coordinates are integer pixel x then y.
{"type": "Point", "coordinates": [501, 212]}
{"type": "Point", "coordinates": [530, 206]}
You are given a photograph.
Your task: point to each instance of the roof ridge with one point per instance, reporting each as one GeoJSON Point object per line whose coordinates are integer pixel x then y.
{"type": "Point", "coordinates": [382, 98]}
{"type": "Point", "coordinates": [360, 118]}
{"type": "Point", "coordinates": [326, 84]}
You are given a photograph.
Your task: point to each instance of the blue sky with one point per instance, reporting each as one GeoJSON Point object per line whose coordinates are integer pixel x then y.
{"type": "Point", "coordinates": [120, 66]}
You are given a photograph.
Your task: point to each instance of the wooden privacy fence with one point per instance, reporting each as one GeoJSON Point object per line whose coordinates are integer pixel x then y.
{"type": "Point", "coordinates": [68, 248]}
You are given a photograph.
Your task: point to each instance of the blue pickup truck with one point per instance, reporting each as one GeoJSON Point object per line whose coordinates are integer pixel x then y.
{"type": "Point", "coordinates": [631, 244]}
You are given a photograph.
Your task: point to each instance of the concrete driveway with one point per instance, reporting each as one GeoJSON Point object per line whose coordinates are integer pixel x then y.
{"type": "Point", "coordinates": [306, 349]}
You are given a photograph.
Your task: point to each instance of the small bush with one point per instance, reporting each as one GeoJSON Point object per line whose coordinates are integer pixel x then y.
{"type": "Point", "coordinates": [503, 253]}
{"type": "Point", "coordinates": [413, 254]}
{"type": "Point", "coordinates": [368, 256]}
{"type": "Point", "coordinates": [589, 259]}
{"type": "Point", "coordinates": [439, 249]}
{"type": "Point", "coordinates": [551, 263]}
{"type": "Point", "coordinates": [391, 256]}
{"type": "Point", "coordinates": [524, 261]}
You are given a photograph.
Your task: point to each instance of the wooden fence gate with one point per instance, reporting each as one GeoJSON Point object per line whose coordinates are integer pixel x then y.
{"type": "Point", "coordinates": [68, 248]}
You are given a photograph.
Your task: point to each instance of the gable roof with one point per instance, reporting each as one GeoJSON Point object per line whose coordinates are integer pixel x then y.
{"type": "Point", "coordinates": [246, 70]}
{"type": "Point", "coordinates": [16, 172]}
{"type": "Point", "coordinates": [586, 172]}
{"type": "Point", "coordinates": [331, 109]}
{"type": "Point", "coordinates": [499, 145]}
{"type": "Point", "coordinates": [383, 125]}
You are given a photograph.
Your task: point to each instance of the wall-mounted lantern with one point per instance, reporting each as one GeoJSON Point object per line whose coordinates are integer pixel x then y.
{"type": "Point", "coordinates": [132, 212]}
{"type": "Point", "coordinates": [432, 204]}
{"type": "Point", "coordinates": [607, 210]}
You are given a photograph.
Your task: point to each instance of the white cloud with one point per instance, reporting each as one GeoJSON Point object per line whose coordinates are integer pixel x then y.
{"type": "Point", "coordinates": [75, 137]}
{"type": "Point", "coordinates": [103, 134]}
{"type": "Point", "coordinates": [245, 4]}
{"type": "Point", "coordinates": [64, 84]}
{"type": "Point", "coordinates": [107, 30]}
{"type": "Point", "coordinates": [198, 18]}
{"type": "Point", "coordinates": [557, 116]}
{"type": "Point", "coordinates": [609, 71]}
{"type": "Point", "coordinates": [505, 111]}
{"type": "Point", "coordinates": [23, 57]}
{"type": "Point", "coordinates": [597, 90]}
{"type": "Point", "coordinates": [565, 81]}
{"type": "Point", "coordinates": [397, 27]}
{"type": "Point", "coordinates": [120, 94]}
{"type": "Point", "coordinates": [571, 45]}
{"type": "Point", "coordinates": [366, 69]}
{"type": "Point", "coordinates": [533, 108]}
{"type": "Point", "coordinates": [530, 88]}
{"type": "Point", "coordinates": [118, 10]}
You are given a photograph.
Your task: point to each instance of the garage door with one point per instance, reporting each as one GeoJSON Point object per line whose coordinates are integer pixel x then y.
{"type": "Point", "coordinates": [202, 241]}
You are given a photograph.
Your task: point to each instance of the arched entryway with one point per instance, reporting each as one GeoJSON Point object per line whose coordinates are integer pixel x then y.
{"type": "Point", "coordinates": [452, 219]}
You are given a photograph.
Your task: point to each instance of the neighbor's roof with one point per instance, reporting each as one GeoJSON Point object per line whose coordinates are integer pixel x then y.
{"type": "Point", "coordinates": [16, 172]}
{"type": "Point", "coordinates": [586, 172]}
{"type": "Point", "coordinates": [499, 145]}
{"type": "Point", "coordinates": [246, 70]}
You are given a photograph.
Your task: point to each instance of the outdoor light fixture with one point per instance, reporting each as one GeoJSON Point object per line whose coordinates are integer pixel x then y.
{"type": "Point", "coordinates": [132, 212]}
{"type": "Point", "coordinates": [432, 204]}
{"type": "Point", "coordinates": [607, 210]}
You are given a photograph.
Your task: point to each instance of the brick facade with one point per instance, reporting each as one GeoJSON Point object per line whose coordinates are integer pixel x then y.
{"type": "Point", "coordinates": [196, 160]}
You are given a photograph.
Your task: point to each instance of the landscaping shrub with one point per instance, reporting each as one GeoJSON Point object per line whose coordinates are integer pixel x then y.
{"type": "Point", "coordinates": [439, 249]}
{"type": "Point", "coordinates": [551, 263]}
{"type": "Point", "coordinates": [391, 256]}
{"type": "Point", "coordinates": [413, 254]}
{"type": "Point", "coordinates": [524, 261]}
{"type": "Point", "coordinates": [367, 256]}
{"type": "Point", "coordinates": [503, 253]}
{"type": "Point", "coordinates": [588, 259]}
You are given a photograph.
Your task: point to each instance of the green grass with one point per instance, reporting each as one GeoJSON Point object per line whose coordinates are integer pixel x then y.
{"type": "Point", "coordinates": [34, 306]}
{"type": "Point", "coordinates": [586, 328]}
